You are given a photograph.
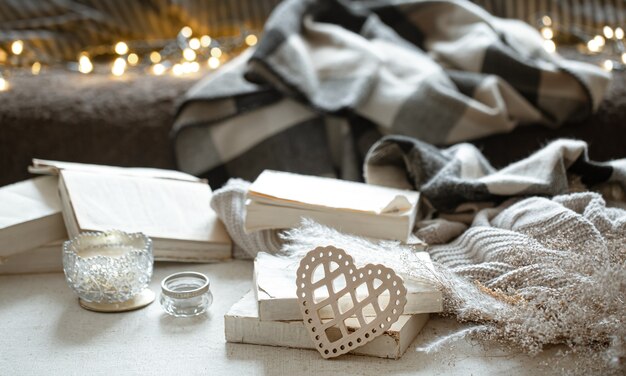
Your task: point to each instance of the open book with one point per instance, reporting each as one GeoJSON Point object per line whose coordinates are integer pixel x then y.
{"type": "Point", "coordinates": [280, 199]}
{"type": "Point", "coordinates": [170, 207]}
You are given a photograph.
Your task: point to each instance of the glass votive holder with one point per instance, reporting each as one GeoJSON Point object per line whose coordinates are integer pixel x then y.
{"type": "Point", "coordinates": [186, 294]}
{"type": "Point", "coordinates": [109, 271]}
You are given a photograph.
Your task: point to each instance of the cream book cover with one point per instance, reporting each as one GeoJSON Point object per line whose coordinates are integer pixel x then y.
{"type": "Point", "coordinates": [280, 199]}
{"type": "Point", "coordinates": [242, 325]}
{"type": "Point", "coordinates": [30, 215]}
{"type": "Point", "coordinates": [274, 286]}
{"type": "Point", "coordinates": [176, 214]}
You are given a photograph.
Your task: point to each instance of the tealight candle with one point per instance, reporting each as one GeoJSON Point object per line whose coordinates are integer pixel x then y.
{"type": "Point", "coordinates": [109, 271]}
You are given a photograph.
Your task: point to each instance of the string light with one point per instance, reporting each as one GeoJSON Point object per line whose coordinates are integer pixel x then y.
{"type": "Point", "coordinates": [177, 69]}
{"type": "Point", "coordinates": [186, 32]}
{"type": "Point", "coordinates": [155, 57]}
{"type": "Point", "coordinates": [121, 48]}
{"type": "Point", "coordinates": [205, 41]}
{"type": "Point", "coordinates": [546, 32]}
{"type": "Point", "coordinates": [133, 59]}
{"type": "Point", "coordinates": [158, 69]}
{"type": "Point", "coordinates": [608, 32]}
{"type": "Point", "coordinates": [213, 62]}
{"type": "Point", "coordinates": [599, 40]}
{"type": "Point", "coordinates": [194, 43]}
{"type": "Point", "coordinates": [4, 84]}
{"type": "Point", "coordinates": [252, 40]}
{"type": "Point", "coordinates": [35, 68]}
{"type": "Point", "coordinates": [216, 52]}
{"type": "Point", "coordinates": [164, 59]}
{"type": "Point", "coordinates": [607, 65]}
{"type": "Point", "coordinates": [189, 54]}
{"type": "Point", "coordinates": [84, 64]}
{"type": "Point", "coordinates": [593, 46]}
{"type": "Point", "coordinates": [619, 33]}
{"type": "Point", "coordinates": [119, 66]}
{"type": "Point", "coordinates": [546, 20]}
{"type": "Point", "coordinates": [624, 58]}
{"type": "Point", "coordinates": [549, 45]}
{"type": "Point", "coordinates": [17, 47]}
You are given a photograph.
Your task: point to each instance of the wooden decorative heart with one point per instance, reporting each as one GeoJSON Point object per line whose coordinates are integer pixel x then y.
{"type": "Point", "coordinates": [328, 274]}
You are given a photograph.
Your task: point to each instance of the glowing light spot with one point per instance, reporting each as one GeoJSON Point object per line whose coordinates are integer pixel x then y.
{"type": "Point", "coordinates": [189, 54]}
{"type": "Point", "coordinates": [608, 32]}
{"type": "Point", "coordinates": [599, 40]}
{"type": "Point", "coordinates": [547, 33]}
{"type": "Point", "coordinates": [17, 47]}
{"type": "Point", "coordinates": [155, 57]}
{"type": "Point", "coordinates": [213, 62]}
{"type": "Point", "coordinates": [84, 64]}
{"type": "Point", "coordinates": [251, 40]}
{"type": "Point", "coordinates": [549, 45]}
{"type": "Point", "coordinates": [133, 59]}
{"type": "Point", "coordinates": [35, 68]}
{"type": "Point", "coordinates": [158, 69]}
{"type": "Point", "coordinates": [4, 84]}
{"type": "Point", "coordinates": [119, 67]}
{"type": "Point", "coordinates": [121, 48]}
{"type": "Point", "coordinates": [216, 52]}
{"type": "Point", "coordinates": [205, 41]}
{"type": "Point", "coordinates": [607, 65]}
{"type": "Point", "coordinates": [177, 69]}
{"type": "Point", "coordinates": [619, 33]}
{"type": "Point", "coordinates": [194, 43]}
{"type": "Point", "coordinates": [593, 46]}
{"type": "Point", "coordinates": [186, 32]}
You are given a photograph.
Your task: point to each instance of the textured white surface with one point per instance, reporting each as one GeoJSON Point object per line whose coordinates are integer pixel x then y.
{"type": "Point", "coordinates": [43, 331]}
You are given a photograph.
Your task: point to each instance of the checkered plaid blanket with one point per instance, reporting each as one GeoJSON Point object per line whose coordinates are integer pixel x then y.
{"type": "Point", "coordinates": [329, 77]}
{"type": "Point", "coordinates": [460, 179]}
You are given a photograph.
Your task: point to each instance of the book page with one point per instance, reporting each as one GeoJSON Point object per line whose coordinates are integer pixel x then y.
{"type": "Point", "coordinates": [160, 208]}
{"type": "Point", "coordinates": [312, 191]}
{"type": "Point", "coordinates": [49, 167]}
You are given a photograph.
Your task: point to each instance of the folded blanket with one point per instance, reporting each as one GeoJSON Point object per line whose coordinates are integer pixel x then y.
{"type": "Point", "coordinates": [329, 75]}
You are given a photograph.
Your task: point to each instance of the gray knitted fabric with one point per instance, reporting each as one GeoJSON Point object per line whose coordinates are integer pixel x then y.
{"type": "Point", "coordinates": [229, 204]}
{"type": "Point", "coordinates": [525, 245]}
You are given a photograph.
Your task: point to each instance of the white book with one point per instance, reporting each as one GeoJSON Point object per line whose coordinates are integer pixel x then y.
{"type": "Point", "coordinates": [242, 325]}
{"type": "Point", "coordinates": [47, 258]}
{"type": "Point", "coordinates": [280, 200]}
{"type": "Point", "coordinates": [30, 215]}
{"type": "Point", "coordinates": [274, 286]}
{"type": "Point", "coordinates": [171, 207]}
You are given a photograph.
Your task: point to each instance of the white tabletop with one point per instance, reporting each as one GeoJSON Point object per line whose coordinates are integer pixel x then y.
{"type": "Point", "coordinates": [43, 331]}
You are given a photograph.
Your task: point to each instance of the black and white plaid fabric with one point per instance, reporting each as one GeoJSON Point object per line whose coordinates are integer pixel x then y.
{"type": "Point", "coordinates": [451, 178]}
{"type": "Point", "coordinates": [330, 75]}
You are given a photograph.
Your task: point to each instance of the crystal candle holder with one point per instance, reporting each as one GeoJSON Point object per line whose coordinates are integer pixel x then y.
{"type": "Point", "coordinates": [109, 271]}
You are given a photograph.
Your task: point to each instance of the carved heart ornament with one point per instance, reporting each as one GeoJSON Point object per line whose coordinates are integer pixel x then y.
{"type": "Point", "coordinates": [326, 276]}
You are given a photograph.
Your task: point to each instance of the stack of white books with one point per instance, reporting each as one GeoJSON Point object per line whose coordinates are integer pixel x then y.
{"type": "Point", "coordinates": [171, 207]}
{"type": "Point", "coordinates": [270, 315]}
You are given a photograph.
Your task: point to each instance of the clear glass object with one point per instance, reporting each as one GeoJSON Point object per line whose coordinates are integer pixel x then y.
{"type": "Point", "coordinates": [108, 267]}
{"type": "Point", "coordinates": [186, 294]}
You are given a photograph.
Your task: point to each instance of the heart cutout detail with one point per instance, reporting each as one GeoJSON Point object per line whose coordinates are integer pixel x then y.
{"type": "Point", "coordinates": [327, 275]}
